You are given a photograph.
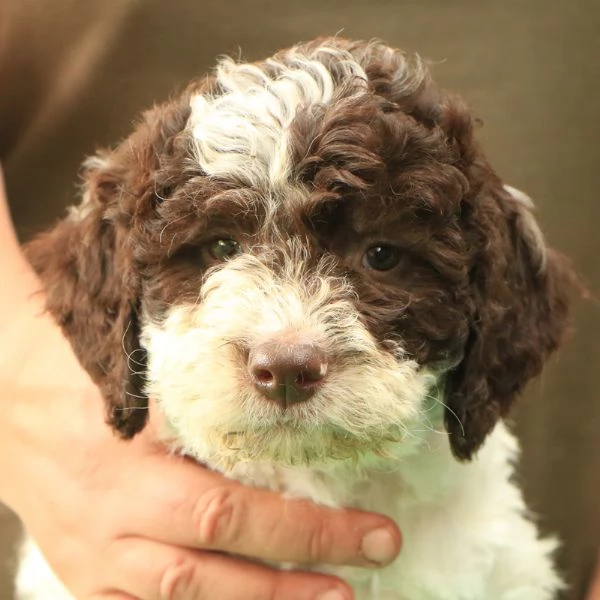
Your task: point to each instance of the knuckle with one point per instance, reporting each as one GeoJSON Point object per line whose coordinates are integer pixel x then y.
{"type": "Point", "coordinates": [178, 580]}
{"type": "Point", "coordinates": [218, 516]}
{"type": "Point", "coordinates": [320, 542]}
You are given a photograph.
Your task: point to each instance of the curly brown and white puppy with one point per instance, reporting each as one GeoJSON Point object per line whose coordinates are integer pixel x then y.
{"type": "Point", "coordinates": [312, 268]}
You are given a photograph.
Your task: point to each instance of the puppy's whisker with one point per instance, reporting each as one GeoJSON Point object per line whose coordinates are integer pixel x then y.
{"type": "Point", "coordinates": [452, 412]}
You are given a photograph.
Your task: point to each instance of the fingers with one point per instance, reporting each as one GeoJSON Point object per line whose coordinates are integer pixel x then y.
{"type": "Point", "coordinates": [265, 525]}
{"type": "Point", "coordinates": [154, 571]}
{"type": "Point", "coordinates": [219, 514]}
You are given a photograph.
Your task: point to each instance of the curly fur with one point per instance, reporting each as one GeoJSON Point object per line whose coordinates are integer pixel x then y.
{"type": "Point", "coordinates": [307, 159]}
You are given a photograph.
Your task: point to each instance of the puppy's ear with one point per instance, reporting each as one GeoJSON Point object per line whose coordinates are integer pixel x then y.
{"type": "Point", "coordinates": [91, 262]}
{"type": "Point", "coordinates": [93, 291]}
{"type": "Point", "coordinates": [518, 304]}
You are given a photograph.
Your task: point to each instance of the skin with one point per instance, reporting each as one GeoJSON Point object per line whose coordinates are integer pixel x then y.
{"type": "Point", "coordinates": [594, 593]}
{"type": "Point", "coordinates": [125, 520]}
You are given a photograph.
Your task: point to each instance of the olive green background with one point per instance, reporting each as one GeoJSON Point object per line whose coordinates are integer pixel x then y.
{"type": "Point", "coordinates": [73, 75]}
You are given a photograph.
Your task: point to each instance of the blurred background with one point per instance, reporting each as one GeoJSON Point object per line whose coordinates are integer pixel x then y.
{"type": "Point", "coordinates": [74, 74]}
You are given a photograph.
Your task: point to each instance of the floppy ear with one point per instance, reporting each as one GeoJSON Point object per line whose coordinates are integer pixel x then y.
{"type": "Point", "coordinates": [519, 310]}
{"type": "Point", "coordinates": [88, 263]}
{"type": "Point", "coordinates": [93, 291]}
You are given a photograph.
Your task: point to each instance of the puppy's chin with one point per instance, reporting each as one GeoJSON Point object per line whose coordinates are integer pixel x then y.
{"type": "Point", "coordinates": [294, 446]}
{"type": "Point", "coordinates": [290, 442]}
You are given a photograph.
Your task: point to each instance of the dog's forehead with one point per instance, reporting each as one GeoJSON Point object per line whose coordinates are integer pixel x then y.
{"type": "Point", "coordinates": [244, 132]}
{"type": "Point", "coordinates": [248, 130]}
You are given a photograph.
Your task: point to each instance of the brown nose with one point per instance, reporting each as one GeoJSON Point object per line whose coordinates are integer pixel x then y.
{"type": "Point", "coordinates": [287, 373]}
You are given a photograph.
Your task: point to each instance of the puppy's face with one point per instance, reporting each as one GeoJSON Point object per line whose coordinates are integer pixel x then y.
{"type": "Point", "coordinates": [305, 259]}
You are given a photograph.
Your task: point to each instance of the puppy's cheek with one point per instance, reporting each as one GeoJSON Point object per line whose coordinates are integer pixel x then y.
{"type": "Point", "coordinates": [195, 378]}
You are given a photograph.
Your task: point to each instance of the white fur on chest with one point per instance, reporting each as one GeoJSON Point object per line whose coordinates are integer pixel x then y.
{"type": "Point", "coordinates": [465, 527]}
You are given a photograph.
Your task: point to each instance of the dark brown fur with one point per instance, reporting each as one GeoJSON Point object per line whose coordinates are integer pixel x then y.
{"type": "Point", "coordinates": [469, 295]}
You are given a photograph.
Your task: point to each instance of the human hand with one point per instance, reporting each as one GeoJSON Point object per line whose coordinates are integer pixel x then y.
{"type": "Point", "coordinates": [124, 519]}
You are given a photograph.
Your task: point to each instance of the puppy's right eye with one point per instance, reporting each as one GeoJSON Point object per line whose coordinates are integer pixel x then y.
{"type": "Point", "coordinates": [381, 257]}
{"type": "Point", "coordinates": [224, 249]}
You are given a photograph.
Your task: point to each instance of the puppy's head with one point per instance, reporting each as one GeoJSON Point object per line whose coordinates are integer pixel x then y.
{"type": "Point", "coordinates": [302, 259]}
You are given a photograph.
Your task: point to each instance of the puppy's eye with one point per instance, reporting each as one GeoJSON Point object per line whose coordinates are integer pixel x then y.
{"type": "Point", "coordinates": [224, 249]}
{"type": "Point", "coordinates": [381, 257]}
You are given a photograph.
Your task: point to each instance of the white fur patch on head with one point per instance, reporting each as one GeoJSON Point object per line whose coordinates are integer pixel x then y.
{"type": "Point", "coordinates": [197, 371]}
{"type": "Point", "coordinates": [243, 132]}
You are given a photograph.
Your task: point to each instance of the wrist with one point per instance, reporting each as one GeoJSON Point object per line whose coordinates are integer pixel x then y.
{"type": "Point", "coordinates": [19, 282]}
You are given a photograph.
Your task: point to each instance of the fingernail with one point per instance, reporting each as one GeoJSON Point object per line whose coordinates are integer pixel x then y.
{"type": "Point", "coordinates": [379, 546]}
{"type": "Point", "coordinates": [332, 595]}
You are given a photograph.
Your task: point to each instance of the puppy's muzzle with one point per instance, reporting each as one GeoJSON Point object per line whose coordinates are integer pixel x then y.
{"type": "Point", "coordinates": [287, 373]}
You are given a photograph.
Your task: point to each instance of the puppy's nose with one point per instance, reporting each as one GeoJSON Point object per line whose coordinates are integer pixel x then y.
{"type": "Point", "coordinates": [287, 373]}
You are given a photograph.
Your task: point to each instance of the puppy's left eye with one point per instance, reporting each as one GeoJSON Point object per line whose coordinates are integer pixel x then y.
{"type": "Point", "coordinates": [381, 257]}
{"type": "Point", "coordinates": [224, 249]}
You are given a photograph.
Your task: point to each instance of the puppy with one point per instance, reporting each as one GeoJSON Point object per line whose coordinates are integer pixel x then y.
{"type": "Point", "coordinates": [310, 266]}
